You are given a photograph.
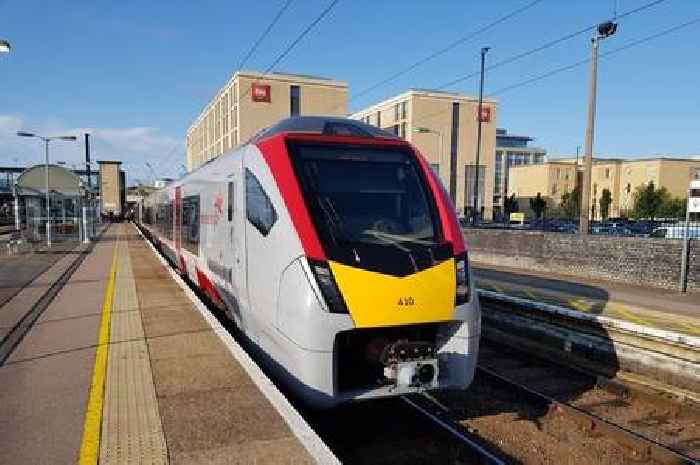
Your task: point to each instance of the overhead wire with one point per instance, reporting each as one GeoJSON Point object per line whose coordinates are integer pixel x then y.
{"type": "Point", "coordinates": [602, 55]}
{"type": "Point", "coordinates": [247, 56]}
{"type": "Point", "coordinates": [443, 50]}
{"type": "Point", "coordinates": [544, 46]}
{"type": "Point", "coordinates": [550, 44]}
{"type": "Point", "coordinates": [294, 43]}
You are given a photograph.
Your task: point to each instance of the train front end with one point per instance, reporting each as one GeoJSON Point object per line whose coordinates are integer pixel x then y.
{"type": "Point", "coordinates": [385, 265]}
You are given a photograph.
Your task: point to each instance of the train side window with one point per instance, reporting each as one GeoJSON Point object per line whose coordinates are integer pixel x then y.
{"type": "Point", "coordinates": [190, 223]}
{"type": "Point", "coordinates": [259, 209]}
{"type": "Point", "coordinates": [230, 201]}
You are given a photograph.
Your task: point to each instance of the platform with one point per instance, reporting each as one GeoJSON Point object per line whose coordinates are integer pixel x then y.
{"type": "Point", "coordinates": [122, 367]}
{"type": "Point", "coordinates": [656, 308]}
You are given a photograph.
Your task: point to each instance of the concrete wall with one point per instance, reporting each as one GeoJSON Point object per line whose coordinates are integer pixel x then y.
{"type": "Point", "coordinates": [638, 261]}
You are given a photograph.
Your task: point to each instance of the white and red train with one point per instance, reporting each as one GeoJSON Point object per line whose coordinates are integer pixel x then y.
{"type": "Point", "coordinates": [335, 249]}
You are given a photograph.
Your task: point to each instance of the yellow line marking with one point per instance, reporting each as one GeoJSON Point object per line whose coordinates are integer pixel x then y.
{"type": "Point", "coordinates": [629, 315]}
{"type": "Point", "coordinates": [579, 305]}
{"type": "Point", "coordinates": [90, 444]}
{"type": "Point", "coordinates": [530, 294]}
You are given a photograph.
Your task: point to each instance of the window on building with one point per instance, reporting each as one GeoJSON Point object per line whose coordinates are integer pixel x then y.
{"type": "Point", "coordinates": [470, 183]}
{"type": "Point", "coordinates": [190, 223]}
{"type": "Point", "coordinates": [607, 173]}
{"type": "Point", "coordinates": [499, 157]}
{"type": "Point", "coordinates": [595, 189]}
{"type": "Point", "coordinates": [539, 158]}
{"type": "Point", "coordinates": [379, 119]}
{"type": "Point", "coordinates": [402, 132]}
{"type": "Point", "coordinates": [259, 209]}
{"type": "Point", "coordinates": [230, 201]}
{"type": "Point", "coordinates": [294, 100]}
{"type": "Point", "coordinates": [697, 174]}
{"type": "Point", "coordinates": [395, 130]}
{"type": "Point", "coordinates": [554, 188]}
{"type": "Point", "coordinates": [498, 178]}
{"type": "Point", "coordinates": [403, 110]}
{"type": "Point", "coordinates": [396, 112]}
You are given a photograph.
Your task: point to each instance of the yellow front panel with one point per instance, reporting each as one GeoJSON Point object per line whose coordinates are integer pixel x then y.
{"type": "Point", "coordinates": [376, 299]}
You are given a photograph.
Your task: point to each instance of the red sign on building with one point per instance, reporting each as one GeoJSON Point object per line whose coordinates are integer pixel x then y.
{"type": "Point", "coordinates": [260, 93]}
{"type": "Point", "coordinates": [485, 114]}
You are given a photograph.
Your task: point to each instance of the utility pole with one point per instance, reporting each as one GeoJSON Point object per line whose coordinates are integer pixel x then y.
{"type": "Point", "coordinates": [87, 159]}
{"type": "Point", "coordinates": [475, 212]}
{"type": "Point", "coordinates": [603, 31]}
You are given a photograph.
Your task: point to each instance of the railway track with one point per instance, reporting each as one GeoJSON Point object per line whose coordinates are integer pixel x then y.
{"type": "Point", "coordinates": [520, 409]}
{"type": "Point", "coordinates": [593, 422]}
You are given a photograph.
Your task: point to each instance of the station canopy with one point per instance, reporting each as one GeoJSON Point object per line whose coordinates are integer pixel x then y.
{"type": "Point", "coordinates": [61, 181]}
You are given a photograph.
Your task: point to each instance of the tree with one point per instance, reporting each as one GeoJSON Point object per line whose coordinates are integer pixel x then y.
{"type": "Point", "coordinates": [605, 201]}
{"type": "Point", "coordinates": [538, 204]}
{"type": "Point", "coordinates": [570, 202]}
{"type": "Point", "coordinates": [510, 205]}
{"type": "Point", "coordinates": [673, 208]}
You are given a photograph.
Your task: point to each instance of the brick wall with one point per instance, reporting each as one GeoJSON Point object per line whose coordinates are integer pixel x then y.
{"type": "Point", "coordinates": [641, 261]}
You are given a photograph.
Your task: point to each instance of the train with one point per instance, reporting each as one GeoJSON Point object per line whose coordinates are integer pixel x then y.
{"type": "Point", "coordinates": [336, 251]}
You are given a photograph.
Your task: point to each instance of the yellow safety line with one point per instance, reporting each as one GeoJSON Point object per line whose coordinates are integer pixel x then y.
{"type": "Point", "coordinates": [90, 445]}
{"type": "Point", "coordinates": [530, 294]}
{"type": "Point", "coordinates": [580, 306]}
{"type": "Point", "coordinates": [629, 315]}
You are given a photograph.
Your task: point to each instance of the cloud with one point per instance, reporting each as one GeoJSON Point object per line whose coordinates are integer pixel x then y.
{"type": "Point", "coordinates": [133, 146]}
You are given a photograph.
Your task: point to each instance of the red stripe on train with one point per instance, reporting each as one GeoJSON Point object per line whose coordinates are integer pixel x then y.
{"type": "Point", "coordinates": [448, 216]}
{"type": "Point", "coordinates": [208, 287]}
{"type": "Point", "coordinates": [274, 151]}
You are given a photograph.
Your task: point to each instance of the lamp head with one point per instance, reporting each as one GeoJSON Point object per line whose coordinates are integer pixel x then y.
{"type": "Point", "coordinates": [606, 29]}
{"type": "Point", "coordinates": [5, 46]}
{"type": "Point", "coordinates": [25, 134]}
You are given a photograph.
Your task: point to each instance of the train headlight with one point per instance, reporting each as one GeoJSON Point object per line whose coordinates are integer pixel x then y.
{"type": "Point", "coordinates": [462, 275]}
{"type": "Point", "coordinates": [329, 288]}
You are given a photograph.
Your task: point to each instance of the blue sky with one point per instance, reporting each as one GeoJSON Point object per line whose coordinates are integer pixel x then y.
{"type": "Point", "coordinates": [136, 73]}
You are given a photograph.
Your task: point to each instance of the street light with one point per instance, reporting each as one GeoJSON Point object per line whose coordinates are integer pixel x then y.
{"type": "Point", "coordinates": [603, 31]}
{"type": "Point", "coordinates": [475, 213]}
{"type": "Point", "coordinates": [424, 130]}
{"type": "Point", "coordinates": [5, 46]}
{"type": "Point", "coordinates": [48, 198]}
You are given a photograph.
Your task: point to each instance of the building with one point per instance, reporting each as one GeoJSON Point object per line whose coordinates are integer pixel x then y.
{"type": "Point", "coordinates": [252, 101]}
{"type": "Point", "coordinates": [511, 150]}
{"type": "Point", "coordinates": [550, 179]}
{"type": "Point", "coordinates": [622, 177]}
{"type": "Point", "coordinates": [443, 126]}
{"type": "Point", "coordinates": [112, 188]}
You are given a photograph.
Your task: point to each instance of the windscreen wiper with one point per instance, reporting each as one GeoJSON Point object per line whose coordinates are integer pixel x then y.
{"type": "Point", "coordinates": [387, 239]}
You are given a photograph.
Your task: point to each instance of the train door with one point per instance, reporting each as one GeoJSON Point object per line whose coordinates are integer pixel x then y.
{"type": "Point", "coordinates": [262, 249]}
{"type": "Point", "coordinates": [236, 242]}
{"type": "Point", "coordinates": [177, 234]}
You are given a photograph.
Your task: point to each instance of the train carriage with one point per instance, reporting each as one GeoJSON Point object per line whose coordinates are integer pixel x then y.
{"type": "Point", "coordinates": [336, 251]}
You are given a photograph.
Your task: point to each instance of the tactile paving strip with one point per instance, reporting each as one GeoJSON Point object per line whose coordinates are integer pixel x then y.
{"type": "Point", "coordinates": [131, 427]}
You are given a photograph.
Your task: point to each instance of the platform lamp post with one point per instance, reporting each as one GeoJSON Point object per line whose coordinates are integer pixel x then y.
{"type": "Point", "coordinates": [475, 213]}
{"type": "Point", "coordinates": [48, 195]}
{"type": "Point", "coordinates": [5, 46]}
{"type": "Point", "coordinates": [603, 31]}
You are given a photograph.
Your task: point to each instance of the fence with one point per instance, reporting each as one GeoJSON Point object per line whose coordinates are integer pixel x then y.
{"type": "Point", "coordinates": [668, 228]}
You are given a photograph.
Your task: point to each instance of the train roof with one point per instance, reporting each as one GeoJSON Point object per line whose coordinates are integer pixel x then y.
{"type": "Point", "coordinates": [323, 125]}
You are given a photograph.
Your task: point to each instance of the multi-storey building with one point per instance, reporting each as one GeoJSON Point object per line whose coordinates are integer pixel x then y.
{"type": "Point", "coordinates": [549, 179]}
{"type": "Point", "coordinates": [621, 177]}
{"type": "Point", "coordinates": [444, 128]}
{"type": "Point", "coordinates": [511, 150]}
{"type": "Point", "coordinates": [252, 101]}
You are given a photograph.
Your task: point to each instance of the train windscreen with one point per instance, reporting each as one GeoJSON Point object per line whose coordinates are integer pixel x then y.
{"type": "Point", "coordinates": [370, 205]}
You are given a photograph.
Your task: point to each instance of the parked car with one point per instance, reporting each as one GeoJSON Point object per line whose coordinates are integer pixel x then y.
{"type": "Point", "coordinates": [676, 232]}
